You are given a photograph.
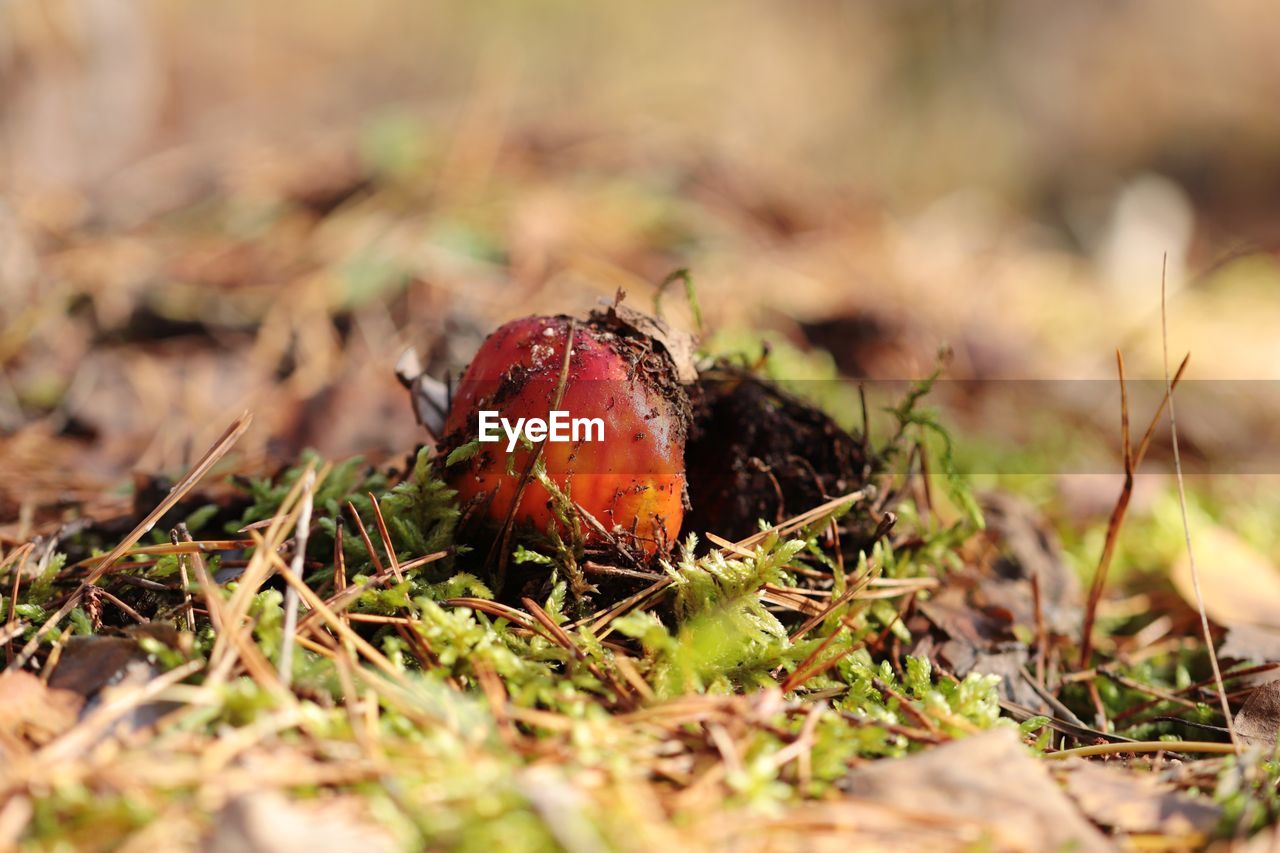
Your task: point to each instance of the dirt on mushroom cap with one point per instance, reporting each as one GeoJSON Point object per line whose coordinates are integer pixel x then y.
{"type": "Point", "coordinates": [631, 484]}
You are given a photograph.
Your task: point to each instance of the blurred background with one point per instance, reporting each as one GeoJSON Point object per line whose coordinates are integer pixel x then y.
{"type": "Point", "coordinates": [212, 207]}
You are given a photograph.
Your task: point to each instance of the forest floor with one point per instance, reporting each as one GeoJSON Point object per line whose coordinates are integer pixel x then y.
{"type": "Point", "coordinates": [904, 663]}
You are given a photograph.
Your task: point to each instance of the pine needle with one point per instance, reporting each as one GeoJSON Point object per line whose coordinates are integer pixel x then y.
{"type": "Point", "coordinates": [211, 457]}
{"type": "Point", "coordinates": [1182, 506]}
{"type": "Point", "coordinates": [290, 594]}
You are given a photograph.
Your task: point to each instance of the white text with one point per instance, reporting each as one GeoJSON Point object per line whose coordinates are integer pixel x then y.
{"type": "Point", "coordinates": [557, 427]}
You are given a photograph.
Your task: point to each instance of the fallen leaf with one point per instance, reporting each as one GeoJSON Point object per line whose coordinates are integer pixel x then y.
{"type": "Point", "coordinates": [1252, 643]}
{"type": "Point", "coordinates": [979, 608]}
{"type": "Point", "coordinates": [1240, 585]}
{"type": "Point", "coordinates": [850, 824]}
{"type": "Point", "coordinates": [1010, 667]}
{"type": "Point", "coordinates": [990, 779]}
{"type": "Point", "coordinates": [950, 611]}
{"type": "Point", "coordinates": [32, 713]}
{"type": "Point", "coordinates": [981, 641]}
{"type": "Point", "coordinates": [1258, 720]}
{"type": "Point", "coordinates": [1030, 549]}
{"type": "Point", "coordinates": [90, 663]}
{"type": "Point", "coordinates": [266, 822]}
{"type": "Point", "coordinates": [680, 345]}
{"type": "Point", "coordinates": [1137, 802]}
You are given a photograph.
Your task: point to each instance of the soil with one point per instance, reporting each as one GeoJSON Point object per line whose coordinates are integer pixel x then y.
{"type": "Point", "coordinates": [757, 452]}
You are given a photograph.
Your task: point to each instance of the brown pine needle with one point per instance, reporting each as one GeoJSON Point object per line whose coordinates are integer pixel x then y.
{"type": "Point", "coordinates": [344, 631]}
{"type": "Point", "coordinates": [1132, 461]}
{"type": "Point", "coordinates": [339, 557]}
{"type": "Point", "coordinates": [236, 612]}
{"type": "Point", "coordinates": [1182, 507]}
{"type": "Point", "coordinates": [385, 536]}
{"type": "Point", "coordinates": [208, 588]}
{"type": "Point", "coordinates": [364, 537]}
{"type": "Point", "coordinates": [211, 457]}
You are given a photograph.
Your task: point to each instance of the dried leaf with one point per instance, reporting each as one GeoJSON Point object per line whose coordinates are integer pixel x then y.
{"type": "Point", "coordinates": [1030, 549]}
{"type": "Point", "coordinates": [848, 824]}
{"type": "Point", "coordinates": [90, 663]}
{"type": "Point", "coordinates": [1250, 642]}
{"type": "Point", "coordinates": [678, 344]}
{"type": "Point", "coordinates": [990, 779]}
{"type": "Point", "coordinates": [1010, 667]}
{"type": "Point", "coordinates": [951, 611]}
{"type": "Point", "coordinates": [1258, 720]}
{"type": "Point", "coordinates": [1137, 802]}
{"type": "Point", "coordinates": [266, 822]}
{"type": "Point", "coordinates": [1240, 585]}
{"type": "Point", "coordinates": [31, 713]}
{"type": "Point", "coordinates": [91, 666]}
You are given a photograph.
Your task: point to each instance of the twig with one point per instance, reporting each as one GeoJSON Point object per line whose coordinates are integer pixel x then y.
{"type": "Point", "coordinates": [1049, 699]}
{"type": "Point", "coordinates": [13, 597]}
{"type": "Point", "coordinates": [1143, 746]}
{"type": "Point", "coordinates": [591, 568]}
{"type": "Point", "coordinates": [301, 533]}
{"type": "Point", "coordinates": [1190, 688]}
{"type": "Point", "coordinates": [1182, 506]}
{"type": "Point", "coordinates": [1076, 729]}
{"type": "Point", "coordinates": [1132, 460]}
{"type": "Point", "coordinates": [1161, 695]}
{"type": "Point", "coordinates": [124, 608]}
{"type": "Point", "coordinates": [186, 584]}
{"type": "Point", "coordinates": [1042, 635]}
